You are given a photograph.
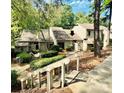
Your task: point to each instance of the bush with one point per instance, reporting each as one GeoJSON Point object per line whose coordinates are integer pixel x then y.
{"type": "Point", "coordinates": [70, 48]}
{"type": "Point", "coordinates": [25, 57]}
{"type": "Point", "coordinates": [45, 61]}
{"type": "Point", "coordinates": [49, 54]}
{"type": "Point", "coordinates": [56, 48]}
{"type": "Point", "coordinates": [91, 47]}
{"type": "Point", "coordinates": [35, 51]}
{"type": "Point", "coordinates": [110, 42]}
{"type": "Point", "coordinates": [14, 53]}
{"type": "Point", "coordinates": [15, 84]}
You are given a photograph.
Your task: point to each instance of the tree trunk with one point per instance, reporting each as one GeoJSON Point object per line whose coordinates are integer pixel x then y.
{"type": "Point", "coordinates": [109, 23]}
{"type": "Point", "coordinates": [96, 29]}
{"type": "Point", "coordinates": [110, 15]}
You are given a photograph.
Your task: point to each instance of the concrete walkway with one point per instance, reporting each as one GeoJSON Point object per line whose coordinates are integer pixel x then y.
{"type": "Point", "coordinates": [99, 81]}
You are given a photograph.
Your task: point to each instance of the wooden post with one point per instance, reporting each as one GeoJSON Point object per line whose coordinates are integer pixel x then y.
{"type": "Point", "coordinates": [22, 85]}
{"type": "Point", "coordinates": [67, 68]}
{"type": "Point", "coordinates": [78, 59]}
{"type": "Point", "coordinates": [32, 81]}
{"type": "Point", "coordinates": [49, 81]}
{"type": "Point", "coordinates": [76, 46]}
{"type": "Point", "coordinates": [39, 78]}
{"type": "Point", "coordinates": [63, 75]}
{"type": "Point", "coordinates": [84, 45]}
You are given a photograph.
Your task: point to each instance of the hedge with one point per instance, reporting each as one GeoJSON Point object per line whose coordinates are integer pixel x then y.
{"type": "Point", "coordinates": [56, 48]}
{"type": "Point", "coordinates": [39, 63]}
{"type": "Point", "coordinates": [49, 54]}
{"type": "Point", "coordinates": [15, 84]}
{"type": "Point", "coordinates": [25, 57]}
{"type": "Point", "coordinates": [34, 51]}
{"type": "Point", "coordinates": [70, 48]}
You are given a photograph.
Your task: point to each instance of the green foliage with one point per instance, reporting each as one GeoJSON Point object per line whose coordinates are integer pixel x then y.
{"type": "Point", "coordinates": [81, 18]}
{"type": "Point", "coordinates": [14, 82]}
{"type": "Point", "coordinates": [39, 63]}
{"type": "Point", "coordinates": [35, 51]}
{"type": "Point", "coordinates": [106, 2]}
{"type": "Point", "coordinates": [67, 17]}
{"type": "Point", "coordinates": [49, 54]}
{"type": "Point", "coordinates": [25, 57]}
{"type": "Point", "coordinates": [70, 48]}
{"type": "Point", "coordinates": [106, 9]}
{"type": "Point", "coordinates": [24, 16]}
{"type": "Point", "coordinates": [56, 48]}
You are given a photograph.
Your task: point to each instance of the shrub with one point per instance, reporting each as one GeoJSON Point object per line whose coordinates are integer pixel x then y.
{"type": "Point", "coordinates": [56, 48]}
{"type": "Point", "coordinates": [14, 53]}
{"type": "Point", "coordinates": [49, 54]}
{"type": "Point", "coordinates": [91, 47]}
{"type": "Point", "coordinates": [39, 63]}
{"type": "Point", "coordinates": [35, 51]}
{"type": "Point", "coordinates": [110, 42]}
{"type": "Point", "coordinates": [25, 57]}
{"type": "Point", "coordinates": [70, 48]}
{"type": "Point", "coordinates": [15, 84]}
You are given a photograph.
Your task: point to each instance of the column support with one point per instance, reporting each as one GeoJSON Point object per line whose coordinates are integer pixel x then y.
{"type": "Point", "coordinates": [22, 85]}
{"type": "Point", "coordinates": [63, 75]}
{"type": "Point", "coordinates": [39, 78]}
{"type": "Point", "coordinates": [76, 46]}
{"type": "Point", "coordinates": [78, 59]}
{"type": "Point", "coordinates": [49, 81]}
{"type": "Point", "coordinates": [32, 81]}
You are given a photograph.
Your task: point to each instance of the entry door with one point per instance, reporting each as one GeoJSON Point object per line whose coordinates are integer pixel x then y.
{"type": "Point", "coordinates": [61, 44]}
{"type": "Point", "coordinates": [36, 45]}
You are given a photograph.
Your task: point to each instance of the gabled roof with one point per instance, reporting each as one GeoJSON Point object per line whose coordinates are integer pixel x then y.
{"type": "Point", "coordinates": [63, 34]}
{"type": "Point", "coordinates": [91, 26]}
{"type": "Point", "coordinates": [22, 44]}
{"type": "Point", "coordinates": [30, 36]}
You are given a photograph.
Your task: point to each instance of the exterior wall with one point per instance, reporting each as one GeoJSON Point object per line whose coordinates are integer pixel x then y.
{"type": "Point", "coordinates": [85, 45]}
{"type": "Point", "coordinates": [90, 41]}
{"type": "Point", "coordinates": [25, 49]}
{"type": "Point", "coordinates": [43, 46]}
{"type": "Point", "coordinates": [52, 36]}
{"type": "Point", "coordinates": [80, 31]}
{"type": "Point", "coordinates": [67, 44]}
{"type": "Point", "coordinates": [32, 46]}
{"type": "Point", "coordinates": [80, 44]}
{"type": "Point", "coordinates": [106, 38]}
{"type": "Point", "coordinates": [22, 48]}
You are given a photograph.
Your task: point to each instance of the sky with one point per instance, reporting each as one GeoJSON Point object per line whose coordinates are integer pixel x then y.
{"type": "Point", "coordinates": [78, 5]}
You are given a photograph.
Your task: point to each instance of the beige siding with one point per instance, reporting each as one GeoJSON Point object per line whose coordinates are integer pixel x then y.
{"type": "Point", "coordinates": [80, 31]}
{"type": "Point", "coordinates": [67, 44]}
{"type": "Point", "coordinates": [43, 46]}
{"type": "Point", "coordinates": [80, 45]}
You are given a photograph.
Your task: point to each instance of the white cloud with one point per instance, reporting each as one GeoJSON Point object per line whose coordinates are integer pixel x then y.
{"type": "Point", "coordinates": [75, 2]}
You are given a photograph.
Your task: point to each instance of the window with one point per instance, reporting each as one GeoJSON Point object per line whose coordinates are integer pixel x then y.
{"type": "Point", "coordinates": [89, 33]}
{"type": "Point", "coordinates": [36, 45]}
{"type": "Point", "coordinates": [61, 45]}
